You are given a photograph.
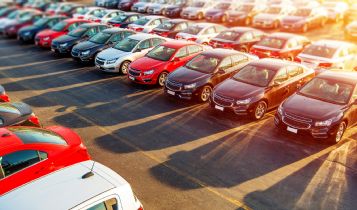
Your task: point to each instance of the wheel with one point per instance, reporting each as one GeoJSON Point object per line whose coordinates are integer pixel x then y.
{"type": "Point", "coordinates": [247, 21]}
{"type": "Point", "coordinates": [289, 58]}
{"type": "Point", "coordinates": [305, 27]}
{"type": "Point", "coordinates": [339, 133]}
{"type": "Point", "coordinates": [224, 19]}
{"type": "Point", "coordinates": [205, 93]}
{"type": "Point", "coordinates": [244, 49]}
{"type": "Point", "coordinates": [259, 110]}
{"type": "Point", "coordinates": [162, 79]}
{"type": "Point", "coordinates": [124, 67]}
{"type": "Point", "coordinates": [276, 24]}
{"type": "Point", "coordinates": [323, 22]}
{"type": "Point", "coordinates": [200, 16]}
{"type": "Point", "coordinates": [205, 43]}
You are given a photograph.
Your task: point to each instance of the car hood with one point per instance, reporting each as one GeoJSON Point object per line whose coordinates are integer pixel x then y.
{"type": "Point", "coordinates": [86, 45]}
{"type": "Point", "coordinates": [112, 53]}
{"type": "Point", "coordinates": [238, 90]}
{"type": "Point", "coordinates": [185, 75]}
{"type": "Point", "coordinates": [292, 19]}
{"type": "Point", "coordinates": [65, 38]}
{"type": "Point", "coordinates": [149, 64]}
{"type": "Point", "coordinates": [315, 109]}
{"type": "Point", "coordinates": [265, 16]}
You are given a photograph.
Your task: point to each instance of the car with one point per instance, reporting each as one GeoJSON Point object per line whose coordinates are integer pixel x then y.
{"type": "Point", "coordinates": [272, 16]}
{"type": "Point", "coordinates": [280, 45]}
{"type": "Point", "coordinates": [153, 68]}
{"type": "Point", "coordinates": [244, 13]}
{"type": "Point", "coordinates": [126, 5]}
{"type": "Point", "coordinates": [174, 10]}
{"type": "Point", "coordinates": [307, 3]}
{"type": "Point", "coordinates": [118, 58]}
{"type": "Point", "coordinates": [201, 33]}
{"type": "Point", "coordinates": [303, 19]}
{"type": "Point", "coordinates": [124, 20]}
{"type": "Point", "coordinates": [51, 8]}
{"type": "Point", "coordinates": [28, 153]}
{"type": "Point", "coordinates": [3, 95]}
{"type": "Point", "coordinates": [13, 17]}
{"type": "Point", "coordinates": [259, 86]}
{"type": "Point", "coordinates": [65, 43]}
{"type": "Point", "coordinates": [104, 189]}
{"type": "Point", "coordinates": [197, 10]}
{"type": "Point", "coordinates": [86, 51]}
{"type": "Point", "coordinates": [28, 33]}
{"type": "Point", "coordinates": [89, 12]}
{"type": "Point", "coordinates": [145, 24]}
{"type": "Point", "coordinates": [40, 5]}
{"type": "Point", "coordinates": [141, 6]}
{"type": "Point", "coordinates": [201, 74]}
{"type": "Point", "coordinates": [351, 14]}
{"type": "Point", "coordinates": [170, 28]}
{"type": "Point", "coordinates": [237, 38]}
{"type": "Point", "coordinates": [107, 3]}
{"type": "Point", "coordinates": [17, 113]}
{"type": "Point", "coordinates": [329, 54]}
{"type": "Point", "coordinates": [218, 13]}
{"type": "Point", "coordinates": [324, 108]}
{"type": "Point", "coordinates": [351, 31]}
{"type": "Point", "coordinates": [45, 37]}
{"type": "Point", "coordinates": [106, 16]}
{"type": "Point", "coordinates": [159, 7]}
{"type": "Point", "coordinates": [5, 11]}
{"type": "Point", "coordinates": [69, 9]}
{"type": "Point", "coordinates": [27, 20]}
{"type": "Point", "coordinates": [336, 10]}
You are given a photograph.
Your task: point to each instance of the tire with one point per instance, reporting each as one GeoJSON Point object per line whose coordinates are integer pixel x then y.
{"type": "Point", "coordinates": [162, 79]}
{"type": "Point", "coordinates": [276, 24]}
{"type": "Point", "coordinates": [244, 49]}
{"type": "Point", "coordinates": [224, 19]}
{"type": "Point", "coordinates": [259, 110]}
{"type": "Point", "coordinates": [305, 28]}
{"type": "Point", "coordinates": [335, 138]}
{"type": "Point", "coordinates": [200, 16]}
{"type": "Point", "coordinates": [124, 67]}
{"type": "Point", "coordinates": [205, 94]}
{"type": "Point", "coordinates": [248, 21]}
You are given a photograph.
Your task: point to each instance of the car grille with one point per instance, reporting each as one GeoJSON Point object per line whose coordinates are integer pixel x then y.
{"type": "Point", "coordinates": [100, 61]}
{"type": "Point", "coordinates": [134, 72]}
{"type": "Point", "coordinates": [297, 121]}
{"type": "Point", "coordinates": [223, 100]}
{"type": "Point", "coordinates": [172, 85]}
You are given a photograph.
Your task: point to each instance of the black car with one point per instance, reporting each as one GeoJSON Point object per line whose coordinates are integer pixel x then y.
{"type": "Point", "coordinates": [170, 28]}
{"type": "Point", "coordinates": [201, 74]}
{"type": "Point", "coordinates": [174, 11]}
{"type": "Point", "coordinates": [65, 43]}
{"type": "Point", "coordinates": [218, 13]}
{"type": "Point", "coordinates": [87, 50]}
{"type": "Point", "coordinates": [28, 33]}
{"type": "Point", "coordinates": [17, 113]}
{"type": "Point", "coordinates": [123, 20]}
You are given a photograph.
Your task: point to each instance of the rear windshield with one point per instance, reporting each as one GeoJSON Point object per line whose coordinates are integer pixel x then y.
{"type": "Point", "coordinates": [320, 51]}
{"type": "Point", "coordinates": [37, 136]}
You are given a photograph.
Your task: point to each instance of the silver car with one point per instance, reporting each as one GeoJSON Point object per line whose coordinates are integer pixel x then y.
{"type": "Point", "coordinates": [141, 6]}
{"type": "Point", "coordinates": [201, 33]}
{"type": "Point", "coordinates": [145, 24]}
{"type": "Point", "coordinates": [198, 10]}
{"type": "Point", "coordinates": [118, 58]}
{"type": "Point", "coordinates": [159, 7]}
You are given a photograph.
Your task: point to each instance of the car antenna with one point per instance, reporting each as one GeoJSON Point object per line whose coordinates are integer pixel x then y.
{"type": "Point", "coordinates": [90, 173]}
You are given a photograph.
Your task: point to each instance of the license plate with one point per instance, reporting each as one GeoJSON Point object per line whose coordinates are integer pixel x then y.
{"type": "Point", "coordinates": [293, 130]}
{"type": "Point", "coordinates": [132, 78]}
{"type": "Point", "coordinates": [220, 108]}
{"type": "Point", "coordinates": [171, 92]}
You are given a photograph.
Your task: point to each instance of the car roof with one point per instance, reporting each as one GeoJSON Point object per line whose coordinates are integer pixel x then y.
{"type": "Point", "coordinates": [177, 43]}
{"type": "Point", "coordinates": [273, 63]}
{"type": "Point", "coordinates": [88, 25]}
{"type": "Point", "coordinates": [142, 36]}
{"type": "Point", "coordinates": [204, 24]}
{"type": "Point", "coordinates": [344, 76]}
{"type": "Point", "coordinates": [73, 20]}
{"type": "Point", "coordinates": [331, 43]}
{"type": "Point", "coordinates": [64, 188]}
{"type": "Point", "coordinates": [114, 30]}
{"type": "Point", "coordinates": [219, 53]}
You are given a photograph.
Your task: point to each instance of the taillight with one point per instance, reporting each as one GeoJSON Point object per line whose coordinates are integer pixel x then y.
{"type": "Point", "coordinates": [139, 29]}
{"type": "Point", "coordinates": [192, 39]}
{"type": "Point", "coordinates": [34, 120]}
{"type": "Point", "coordinates": [165, 34]}
{"type": "Point", "coordinates": [4, 97]}
{"type": "Point", "coordinates": [277, 54]}
{"type": "Point", "coordinates": [325, 65]}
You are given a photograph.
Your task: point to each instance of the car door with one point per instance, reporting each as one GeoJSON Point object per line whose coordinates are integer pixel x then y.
{"type": "Point", "coordinates": [142, 48]}
{"type": "Point", "coordinates": [223, 71]}
{"type": "Point", "coordinates": [279, 88]}
{"type": "Point", "coordinates": [296, 78]}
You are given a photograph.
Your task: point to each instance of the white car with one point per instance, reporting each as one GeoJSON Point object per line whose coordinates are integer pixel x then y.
{"type": "Point", "coordinates": [198, 9]}
{"type": "Point", "coordinates": [329, 54]}
{"type": "Point", "coordinates": [141, 6]}
{"type": "Point", "coordinates": [108, 15]}
{"type": "Point", "coordinates": [75, 187]}
{"type": "Point", "coordinates": [201, 33]}
{"type": "Point", "coordinates": [118, 58]}
{"type": "Point", "coordinates": [90, 12]}
{"type": "Point", "coordinates": [336, 10]}
{"type": "Point", "coordinates": [145, 24]}
{"type": "Point", "coordinates": [159, 7]}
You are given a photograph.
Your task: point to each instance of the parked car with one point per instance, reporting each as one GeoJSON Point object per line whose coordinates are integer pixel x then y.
{"type": "Point", "coordinates": [118, 58]}
{"type": "Point", "coordinates": [104, 189]}
{"type": "Point", "coordinates": [69, 9]}
{"type": "Point", "coordinates": [280, 45]}
{"type": "Point", "coordinates": [126, 5]}
{"type": "Point", "coordinates": [65, 43]}
{"type": "Point", "coordinates": [3, 96]}
{"type": "Point", "coordinates": [17, 113]}
{"type": "Point", "coordinates": [218, 14]}
{"type": "Point", "coordinates": [304, 18]}
{"type": "Point", "coordinates": [86, 51]}
{"type": "Point", "coordinates": [5, 11]}
{"type": "Point", "coordinates": [107, 15]}
{"type": "Point", "coordinates": [145, 24]}
{"type": "Point", "coordinates": [351, 31]}
{"type": "Point", "coordinates": [202, 73]}
{"type": "Point", "coordinates": [174, 10]}
{"type": "Point", "coordinates": [329, 54]}
{"type": "Point", "coordinates": [89, 12]}
{"type": "Point", "coordinates": [272, 16]}
{"type": "Point", "coordinates": [124, 20]}
{"type": "Point", "coordinates": [13, 18]}
{"type": "Point", "coordinates": [197, 10]}
{"type": "Point", "coordinates": [51, 9]}
{"type": "Point", "coordinates": [350, 15]}
{"type": "Point", "coordinates": [153, 68]}
{"type": "Point", "coordinates": [107, 3]}
{"type": "Point", "coordinates": [201, 33]}
{"type": "Point", "coordinates": [244, 13]}
{"type": "Point", "coordinates": [324, 108]}
{"type": "Point", "coordinates": [27, 20]}
{"type": "Point", "coordinates": [159, 7]}
{"type": "Point", "coordinates": [237, 38]}
{"type": "Point", "coordinates": [336, 10]}
{"type": "Point", "coordinates": [170, 28]}
{"type": "Point", "coordinates": [260, 86]}
{"type": "Point", "coordinates": [141, 6]}
{"type": "Point", "coordinates": [28, 153]}
{"type": "Point", "coordinates": [45, 37]}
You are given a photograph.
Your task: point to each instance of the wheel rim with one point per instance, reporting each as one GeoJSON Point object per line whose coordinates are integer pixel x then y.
{"type": "Point", "coordinates": [162, 79]}
{"type": "Point", "coordinates": [206, 92]}
{"type": "Point", "coordinates": [224, 19]}
{"type": "Point", "coordinates": [260, 110]}
{"type": "Point", "coordinates": [125, 67]}
{"type": "Point", "coordinates": [247, 21]}
{"type": "Point", "coordinates": [340, 131]}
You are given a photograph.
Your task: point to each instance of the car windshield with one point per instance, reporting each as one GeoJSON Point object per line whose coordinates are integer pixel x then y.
{"type": "Point", "coordinates": [13, 14]}
{"type": "Point", "coordinates": [59, 26]}
{"type": "Point", "coordinates": [203, 63]}
{"type": "Point", "coordinates": [223, 6]}
{"type": "Point", "coordinates": [245, 8]}
{"type": "Point", "coordinates": [273, 10]}
{"type": "Point", "coordinates": [37, 136]}
{"type": "Point", "coordinates": [302, 12]}
{"type": "Point", "coordinates": [100, 38]}
{"type": "Point", "coordinates": [82, 11]}
{"type": "Point", "coordinates": [78, 32]}
{"type": "Point", "coordinates": [320, 51]}
{"type": "Point", "coordinates": [120, 18]}
{"type": "Point", "coordinates": [161, 53]}
{"type": "Point", "coordinates": [328, 90]}
{"type": "Point", "coordinates": [272, 42]}
{"type": "Point", "coordinates": [228, 35]}
{"type": "Point", "coordinates": [255, 75]}
{"type": "Point", "coordinates": [41, 22]}
{"type": "Point", "coordinates": [166, 25]}
{"type": "Point", "coordinates": [198, 4]}
{"type": "Point", "coordinates": [193, 30]}
{"type": "Point", "coordinates": [141, 21]}
{"type": "Point", "coordinates": [126, 45]}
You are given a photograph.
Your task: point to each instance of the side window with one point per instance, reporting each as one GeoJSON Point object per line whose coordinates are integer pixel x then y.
{"type": "Point", "coordinates": [247, 37]}
{"type": "Point", "coordinates": [238, 59]}
{"type": "Point", "coordinates": [144, 44]}
{"type": "Point", "coordinates": [72, 26]}
{"type": "Point", "coordinates": [292, 44]}
{"type": "Point", "coordinates": [91, 32]}
{"type": "Point", "coordinates": [110, 204]}
{"type": "Point", "coordinates": [281, 76]}
{"type": "Point", "coordinates": [133, 18]}
{"type": "Point", "coordinates": [209, 30]}
{"type": "Point", "coordinates": [116, 38]}
{"type": "Point", "coordinates": [157, 41]}
{"type": "Point", "coordinates": [156, 22]}
{"type": "Point", "coordinates": [294, 71]}
{"type": "Point", "coordinates": [16, 161]}
{"type": "Point", "coordinates": [192, 49]}
{"type": "Point", "coordinates": [181, 53]}
{"type": "Point", "coordinates": [226, 63]}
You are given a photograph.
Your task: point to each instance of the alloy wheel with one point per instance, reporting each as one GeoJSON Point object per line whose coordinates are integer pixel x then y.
{"type": "Point", "coordinates": [340, 132]}
{"type": "Point", "coordinates": [162, 79]}
{"type": "Point", "coordinates": [125, 67]}
{"type": "Point", "coordinates": [260, 110]}
{"type": "Point", "coordinates": [206, 93]}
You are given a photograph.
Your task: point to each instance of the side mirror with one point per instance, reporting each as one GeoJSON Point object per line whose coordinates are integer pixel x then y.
{"type": "Point", "coordinates": [221, 71]}
{"type": "Point", "coordinates": [176, 59]}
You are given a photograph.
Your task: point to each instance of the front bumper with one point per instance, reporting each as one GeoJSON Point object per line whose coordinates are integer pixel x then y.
{"type": "Point", "coordinates": [181, 94]}
{"type": "Point", "coordinates": [62, 50]}
{"type": "Point", "coordinates": [189, 16]}
{"type": "Point", "coordinates": [25, 37]}
{"type": "Point", "coordinates": [78, 56]}
{"type": "Point", "coordinates": [103, 66]}
{"type": "Point", "coordinates": [139, 78]}
{"type": "Point", "coordinates": [172, 13]}
{"type": "Point", "coordinates": [263, 24]}
{"type": "Point", "coordinates": [42, 43]}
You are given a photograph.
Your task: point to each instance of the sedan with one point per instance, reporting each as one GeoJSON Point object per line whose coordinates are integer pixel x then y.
{"type": "Point", "coordinates": [126, 5]}
{"type": "Point", "coordinates": [200, 75]}
{"type": "Point", "coordinates": [244, 13]}
{"type": "Point", "coordinates": [17, 113]}
{"type": "Point", "coordinates": [272, 16]}
{"type": "Point", "coordinates": [28, 153]}
{"type": "Point", "coordinates": [106, 16]}
{"type": "Point", "coordinates": [141, 6]}
{"type": "Point", "coordinates": [123, 20]}
{"type": "Point", "coordinates": [197, 10]}
{"type": "Point", "coordinates": [260, 86]}
{"type": "Point", "coordinates": [27, 20]}
{"type": "Point", "coordinates": [201, 33]}
{"type": "Point", "coordinates": [89, 12]}
{"type": "Point", "coordinates": [145, 24]}
{"type": "Point", "coordinates": [170, 28]}
{"type": "Point", "coordinates": [218, 13]}
{"type": "Point", "coordinates": [324, 108]}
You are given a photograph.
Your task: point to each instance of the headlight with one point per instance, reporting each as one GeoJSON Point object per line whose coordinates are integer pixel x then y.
{"type": "Point", "coordinates": [46, 38]}
{"type": "Point", "coordinates": [149, 72]}
{"type": "Point", "coordinates": [280, 110]}
{"type": "Point", "coordinates": [64, 45]}
{"type": "Point", "coordinates": [111, 61]}
{"type": "Point", "coordinates": [27, 33]}
{"type": "Point", "coordinates": [243, 102]}
{"type": "Point", "coordinates": [190, 86]}
{"type": "Point", "coordinates": [86, 52]}
{"type": "Point", "coordinates": [325, 123]}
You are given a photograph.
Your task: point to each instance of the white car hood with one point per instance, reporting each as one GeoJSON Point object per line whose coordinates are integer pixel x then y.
{"type": "Point", "coordinates": [112, 53]}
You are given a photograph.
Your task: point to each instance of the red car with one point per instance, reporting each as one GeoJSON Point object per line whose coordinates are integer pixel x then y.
{"type": "Point", "coordinates": [160, 61]}
{"type": "Point", "coordinates": [280, 45]}
{"type": "Point", "coordinates": [27, 20]}
{"type": "Point", "coordinates": [27, 153]}
{"type": "Point", "coordinates": [45, 37]}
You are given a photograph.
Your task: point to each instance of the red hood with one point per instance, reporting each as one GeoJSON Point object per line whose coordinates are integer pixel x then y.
{"type": "Point", "coordinates": [146, 63]}
{"type": "Point", "coordinates": [51, 33]}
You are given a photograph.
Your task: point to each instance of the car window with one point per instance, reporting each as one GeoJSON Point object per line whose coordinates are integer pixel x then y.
{"type": "Point", "coordinates": [116, 38]}
{"type": "Point", "coordinates": [180, 27]}
{"type": "Point", "coordinates": [101, 28]}
{"type": "Point", "coordinates": [209, 30]}
{"type": "Point", "coordinates": [72, 26]}
{"type": "Point", "coordinates": [181, 53]}
{"type": "Point", "coordinates": [281, 76]}
{"type": "Point", "coordinates": [238, 59]}
{"type": "Point", "coordinates": [156, 22]}
{"type": "Point", "coordinates": [226, 63]}
{"type": "Point", "coordinates": [157, 41]}
{"type": "Point", "coordinates": [294, 71]}
{"type": "Point", "coordinates": [133, 18]}
{"type": "Point", "coordinates": [91, 32]}
{"type": "Point", "coordinates": [246, 37]}
{"type": "Point", "coordinates": [16, 161]}
{"type": "Point", "coordinates": [192, 49]}
{"type": "Point", "coordinates": [37, 136]}
{"type": "Point", "coordinates": [110, 204]}
{"type": "Point", "coordinates": [144, 44]}
{"type": "Point", "coordinates": [292, 43]}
